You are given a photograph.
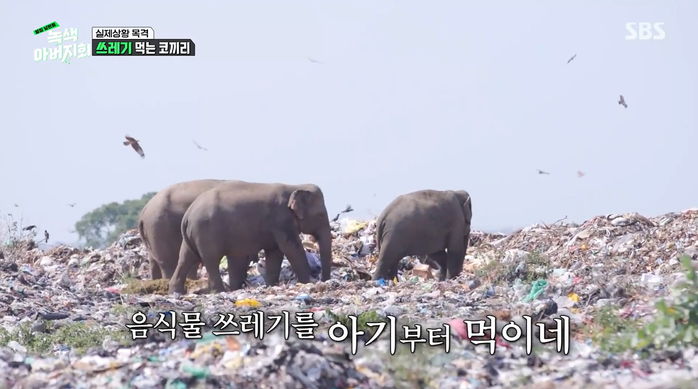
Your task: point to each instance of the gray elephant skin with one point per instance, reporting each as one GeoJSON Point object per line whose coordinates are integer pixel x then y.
{"type": "Point", "coordinates": [427, 222]}
{"type": "Point", "coordinates": [160, 224]}
{"type": "Point", "coordinates": [239, 219]}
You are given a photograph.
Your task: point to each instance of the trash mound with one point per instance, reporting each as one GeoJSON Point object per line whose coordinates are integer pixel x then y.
{"type": "Point", "coordinates": [83, 269]}
{"type": "Point", "coordinates": [645, 244]}
{"type": "Point", "coordinates": [64, 314]}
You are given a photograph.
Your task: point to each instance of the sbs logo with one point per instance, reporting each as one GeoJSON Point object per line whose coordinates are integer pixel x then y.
{"type": "Point", "coordinates": [644, 31]}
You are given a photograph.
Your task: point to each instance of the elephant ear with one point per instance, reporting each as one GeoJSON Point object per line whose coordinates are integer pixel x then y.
{"type": "Point", "coordinates": [468, 208]}
{"type": "Point", "coordinates": [299, 202]}
{"type": "Point", "coordinates": [464, 197]}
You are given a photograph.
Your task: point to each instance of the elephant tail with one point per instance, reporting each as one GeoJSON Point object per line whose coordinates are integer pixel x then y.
{"type": "Point", "coordinates": [144, 238]}
{"type": "Point", "coordinates": [186, 240]}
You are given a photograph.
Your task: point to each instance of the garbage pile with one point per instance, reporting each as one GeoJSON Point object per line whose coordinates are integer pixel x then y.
{"type": "Point", "coordinates": [64, 315]}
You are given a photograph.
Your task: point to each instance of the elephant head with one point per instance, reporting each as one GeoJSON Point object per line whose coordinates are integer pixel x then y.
{"type": "Point", "coordinates": [308, 205]}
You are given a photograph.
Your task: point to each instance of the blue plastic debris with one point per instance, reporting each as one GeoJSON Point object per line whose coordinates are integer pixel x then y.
{"type": "Point", "coordinates": [489, 292]}
{"type": "Point", "coordinates": [304, 297]}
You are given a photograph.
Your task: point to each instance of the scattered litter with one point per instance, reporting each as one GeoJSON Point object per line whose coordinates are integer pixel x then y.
{"type": "Point", "coordinates": [422, 271]}
{"type": "Point", "coordinates": [248, 303]}
{"type": "Point", "coordinates": [63, 312]}
{"type": "Point", "coordinates": [536, 289]}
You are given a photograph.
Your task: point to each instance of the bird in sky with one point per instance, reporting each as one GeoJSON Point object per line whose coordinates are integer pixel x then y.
{"type": "Point", "coordinates": [130, 141]}
{"type": "Point", "coordinates": [580, 173]}
{"type": "Point", "coordinates": [347, 209]}
{"type": "Point", "coordinates": [16, 205]}
{"type": "Point", "coordinates": [199, 146]}
{"type": "Point", "coordinates": [46, 236]}
{"type": "Point", "coordinates": [71, 205]}
{"type": "Point", "coordinates": [313, 60]}
{"type": "Point", "coordinates": [542, 172]}
{"type": "Point", "coordinates": [622, 101]}
{"type": "Point", "coordinates": [573, 57]}
{"type": "Point", "coordinates": [29, 228]}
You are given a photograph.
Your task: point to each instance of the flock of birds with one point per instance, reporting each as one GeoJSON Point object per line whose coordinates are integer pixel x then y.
{"type": "Point", "coordinates": [135, 145]}
{"type": "Point", "coordinates": [130, 141]}
{"type": "Point", "coordinates": [32, 227]}
{"type": "Point", "coordinates": [621, 101]}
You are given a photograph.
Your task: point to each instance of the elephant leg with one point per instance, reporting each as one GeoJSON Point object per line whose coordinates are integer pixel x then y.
{"type": "Point", "coordinates": [455, 257]}
{"type": "Point", "coordinates": [237, 271]}
{"type": "Point", "coordinates": [187, 260]}
{"type": "Point", "coordinates": [387, 263]}
{"type": "Point", "coordinates": [215, 282]}
{"type": "Point", "coordinates": [155, 271]}
{"type": "Point", "coordinates": [394, 269]}
{"type": "Point", "coordinates": [441, 259]}
{"type": "Point", "coordinates": [273, 261]}
{"type": "Point", "coordinates": [292, 247]}
{"type": "Point", "coordinates": [232, 270]}
{"type": "Point", "coordinates": [169, 260]}
{"type": "Point", "coordinates": [193, 273]}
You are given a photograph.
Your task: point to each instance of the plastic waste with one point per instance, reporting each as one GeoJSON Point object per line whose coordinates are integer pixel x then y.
{"type": "Point", "coordinates": [536, 289]}
{"type": "Point", "coordinates": [248, 302]}
{"type": "Point", "coordinates": [314, 263]}
{"type": "Point", "coordinates": [352, 226]}
{"type": "Point", "coordinates": [588, 266]}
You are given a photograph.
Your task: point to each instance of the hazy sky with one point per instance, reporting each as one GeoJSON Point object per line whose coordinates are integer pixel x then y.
{"type": "Point", "coordinates": [409, 95]}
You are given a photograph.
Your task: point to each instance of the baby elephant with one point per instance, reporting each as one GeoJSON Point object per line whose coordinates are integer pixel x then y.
{"type": "Point", "coordinates": [426, 222]}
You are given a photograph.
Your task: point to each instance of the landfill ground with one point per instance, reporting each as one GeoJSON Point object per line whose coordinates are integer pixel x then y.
{"type": "Point", "coordinates": [63, 314]}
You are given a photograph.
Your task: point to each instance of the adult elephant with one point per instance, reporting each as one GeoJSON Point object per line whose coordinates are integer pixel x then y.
{"type": "Point", "coordinates": [427, 222]}
{"type": "Point", "coordinates": [160, 222]}
{"type": "Point", "coordinates": [239, 219]}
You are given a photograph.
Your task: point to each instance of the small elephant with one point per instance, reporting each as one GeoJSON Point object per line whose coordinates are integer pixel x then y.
{"type": "Point", "coordinates": [427, 222]}
{"type": "Point", "coordinates": [237, 220]}
{"type": "Point", "coordinates": [160, 224]}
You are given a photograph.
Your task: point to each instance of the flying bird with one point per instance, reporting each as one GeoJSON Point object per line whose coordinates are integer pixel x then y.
{"type": "Point", "coordinates": [199, 146]}
{"type": "Point", "coordinates": [580, 173]}
{"type": "Point", "coordinates": [29, 228]}
{"type": "Point", "coordinates": [347, 209]}
{"type": "Point", "coordinates": [622, 101]}
{"type": "Point", "coordinates": [130, 141]}
{"type": "Point", "coordinates": [71, 205]}
{"type": "Point", "coordinates": [542, 172]}
{"type": "Point", "coordinates": [313, 60]}
{"type": "Point", "coordinates": [16, 205]}
{"type": "Point", "coordinates": [573, 57]}
{"type": "Point", "coordinates": [46, 236]}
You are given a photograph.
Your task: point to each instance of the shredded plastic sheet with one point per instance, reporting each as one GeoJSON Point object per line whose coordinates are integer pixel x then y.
{"type": "Point", "coordinates": [536, 289]}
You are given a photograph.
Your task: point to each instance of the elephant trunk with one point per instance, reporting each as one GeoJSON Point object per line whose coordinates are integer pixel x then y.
{"type": "Point", "coordinates": [324, 240]}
